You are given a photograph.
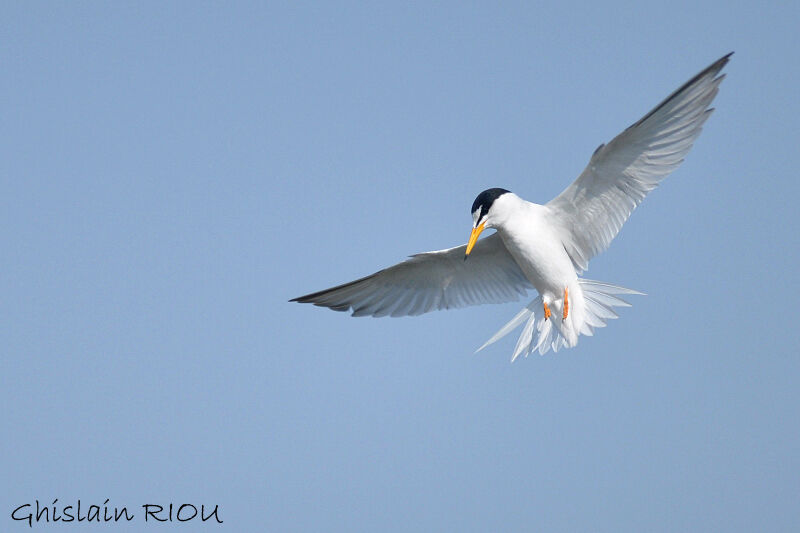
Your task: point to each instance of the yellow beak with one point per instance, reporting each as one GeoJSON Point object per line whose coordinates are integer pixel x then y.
{"type": "Point", "coordinates": [473, 238]}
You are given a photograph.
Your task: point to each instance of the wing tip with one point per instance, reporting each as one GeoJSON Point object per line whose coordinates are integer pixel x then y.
{"type": "Point", "coordinates": [713, 69]}
{"type": "Point", "coordinates": [306, 299]}
{"type": "Point", "coordinates": [310, 299]}
{"type": "Point", "coordinates": [721, 62]}
{"type": "Point", "coordinates": [717, 66]}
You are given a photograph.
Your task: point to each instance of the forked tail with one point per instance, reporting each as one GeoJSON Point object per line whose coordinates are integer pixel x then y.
{"type": "Point", "coordinates": [591, 304]}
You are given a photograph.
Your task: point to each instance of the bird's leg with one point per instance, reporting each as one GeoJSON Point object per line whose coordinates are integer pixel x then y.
{"type": "Point", "coordinates": [546, 311]}
{"type": "Point", "coordinates": [566, 304]}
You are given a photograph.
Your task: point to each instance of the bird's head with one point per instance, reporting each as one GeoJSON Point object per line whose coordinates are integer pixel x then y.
{"type": "Point", "coordinates": [484, 214]}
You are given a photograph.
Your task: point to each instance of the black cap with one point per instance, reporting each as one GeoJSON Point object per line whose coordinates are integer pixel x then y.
{"type": "Point", "coordinates": [485, 200]}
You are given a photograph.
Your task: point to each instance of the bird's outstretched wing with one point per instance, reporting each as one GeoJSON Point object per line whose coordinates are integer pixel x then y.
{"type": "Point", "coordinates": [431, 281]}
{"type": "Point", "coordinates": [590, 212]}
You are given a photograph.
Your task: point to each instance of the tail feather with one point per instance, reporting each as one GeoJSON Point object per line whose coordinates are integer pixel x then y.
{"type": "Point", "coordinates": [521, 317]}
{"type": "Point", "coordinates": [591, 305]}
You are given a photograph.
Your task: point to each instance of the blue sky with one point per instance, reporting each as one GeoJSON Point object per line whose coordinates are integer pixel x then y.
{"type": "Point", "coordinates": [173, 174]}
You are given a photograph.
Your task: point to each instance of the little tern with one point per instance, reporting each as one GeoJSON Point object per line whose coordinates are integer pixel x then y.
{"type": "Point", "coordinates": [544, 247]}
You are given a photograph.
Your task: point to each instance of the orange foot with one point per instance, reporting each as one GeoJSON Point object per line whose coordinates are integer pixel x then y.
{"type": "Point", "coordinates": [546, 312]}
{"type": "Point", "coordinates": [566, 304]}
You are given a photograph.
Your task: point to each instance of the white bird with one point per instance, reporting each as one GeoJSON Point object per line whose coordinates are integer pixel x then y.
{"type": "Point", "coordinates": [546, 246]}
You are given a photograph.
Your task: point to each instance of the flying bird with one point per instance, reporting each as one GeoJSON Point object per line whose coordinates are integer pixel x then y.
{"type": "Point", "coordinates": [544, 247]}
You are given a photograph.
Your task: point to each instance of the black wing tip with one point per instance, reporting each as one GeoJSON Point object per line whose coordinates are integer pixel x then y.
{"type": "Point", "coordinates": [713, 68]}
{"type": "Point", "coordinates": [307, 299]}
{"type": "Point", "coordinates": [721, 62]}
{"type": "Point", "coordinates": [314, 296]}
{"type": "Point", "coordinates": [310, 299]}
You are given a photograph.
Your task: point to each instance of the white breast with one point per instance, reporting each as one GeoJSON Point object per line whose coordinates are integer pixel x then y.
{"type": "Point", "coordinates": [538, 250]}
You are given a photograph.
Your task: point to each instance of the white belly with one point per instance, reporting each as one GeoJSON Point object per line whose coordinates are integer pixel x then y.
{"type": "Point", "coordinates": [540, 254]}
